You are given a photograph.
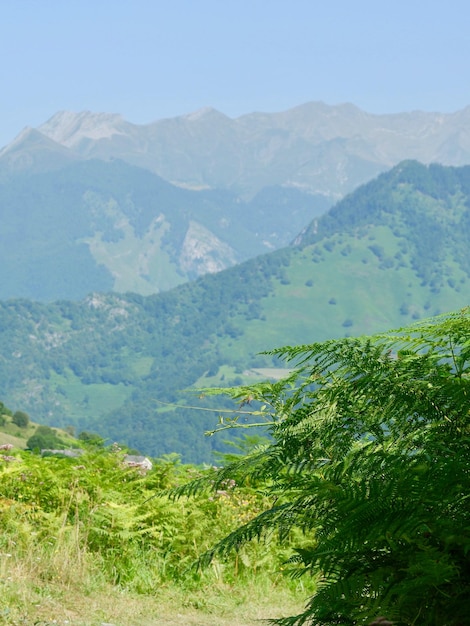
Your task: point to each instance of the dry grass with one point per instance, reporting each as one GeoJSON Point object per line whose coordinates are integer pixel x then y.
{"type": "Point", "coordinates": [33, 594]}
{"type": "Point", "coordinates": [56, 604]}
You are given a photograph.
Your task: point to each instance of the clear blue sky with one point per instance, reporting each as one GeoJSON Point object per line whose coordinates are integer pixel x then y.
{"type": "Point", "coordinates": [149, 59]}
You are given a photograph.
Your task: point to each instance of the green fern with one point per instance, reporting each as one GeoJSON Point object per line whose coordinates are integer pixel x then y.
{"type": "Point", "coordinates": [371, 460]}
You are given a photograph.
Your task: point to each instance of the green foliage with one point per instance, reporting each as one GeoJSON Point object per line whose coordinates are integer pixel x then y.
{"type": "Point", "coordinates": [76, 519]}
{"type": "Point", "coordinates": [45, 438]}
{"type": "Point", "coordinates": [417, 202]}
{"type": "Point", "coordinates": [21, 419]}
{"type": "Point", "coordinates": [370, 460]}
{"type": "Point", "coordinates": [91, 439]}
{"type": "Point", "coordinates": [5, 410]}
{"type": "Point", "coordinates": [168, 334]}
{"type": "Point", "coordinates": [109, 363]}
{"type": "Point", "coordinates": [240, 447]}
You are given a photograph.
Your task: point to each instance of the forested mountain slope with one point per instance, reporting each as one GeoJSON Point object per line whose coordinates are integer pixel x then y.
{"type": "Point", "coordinates": [101, 226]}
{"type": "Point", "coordinates": [393, 251]}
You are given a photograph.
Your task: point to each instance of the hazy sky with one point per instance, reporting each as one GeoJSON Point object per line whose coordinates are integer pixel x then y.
{"type": "Point", "coordinates": [149, 59]}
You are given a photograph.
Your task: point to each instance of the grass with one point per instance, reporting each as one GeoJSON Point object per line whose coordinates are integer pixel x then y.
{"type": "Point", "coordinates": [346, 291]}
{"type": "Point", "coordinates": [136, 264]}
{"type": "Point", "coordinates": [227, 375]}
{"type": "Point", "coordinates": [30, 601]}
{"type": "Point", "coordinates": [13, 434]}
{"type": "Point", "coordinates": [86, 543]}
{"type": "Point", "coordinates": [80, 400]}
{"type": "Point", "coordinates": [65, 586]}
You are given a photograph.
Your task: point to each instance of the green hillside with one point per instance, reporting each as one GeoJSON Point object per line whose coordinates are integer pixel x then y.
{"type": "Point", "coordinates": [391, 252]}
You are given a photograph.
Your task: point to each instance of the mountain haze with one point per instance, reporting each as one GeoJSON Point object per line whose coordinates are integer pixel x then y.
{"type": "Point", "coordinates": [325, 149]}
{"type": "Point", "coordinates": [394, 250]}
{"type": "Point", "coordinates": [97, 226]}
{"type": "Point", "coordinates": [33, 152]}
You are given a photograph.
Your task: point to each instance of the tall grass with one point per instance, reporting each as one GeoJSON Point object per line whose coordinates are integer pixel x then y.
{"type": "Point", "coordinates": [89, 541]}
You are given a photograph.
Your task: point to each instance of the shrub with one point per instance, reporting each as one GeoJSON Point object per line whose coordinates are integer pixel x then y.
{"type": "Point", "coordinates": [21, 419]}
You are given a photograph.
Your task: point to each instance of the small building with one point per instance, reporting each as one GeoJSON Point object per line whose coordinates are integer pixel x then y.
{"type": "Point", "coordinates": [142, 463]}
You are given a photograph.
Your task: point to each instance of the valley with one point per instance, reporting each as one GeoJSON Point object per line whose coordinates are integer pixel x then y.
{"type": "Point", "coordinates": [392, 252]}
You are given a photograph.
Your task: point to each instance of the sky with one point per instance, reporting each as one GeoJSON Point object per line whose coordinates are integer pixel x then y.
{"type": "Point", "coordinates": [151, 59]}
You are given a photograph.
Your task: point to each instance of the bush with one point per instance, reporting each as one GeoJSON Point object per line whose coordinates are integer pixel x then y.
{"type": "Point", "coordinates": [4, 410]}
{"type": "Point", "coordinates": [44, 438]}
{"type": "Point", "coordinates": [21, 419]}
{"type": "Point", "coordinates": [91, 438]}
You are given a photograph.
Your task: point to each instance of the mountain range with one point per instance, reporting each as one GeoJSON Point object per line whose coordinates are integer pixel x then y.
{"type": "Point", "coordinates": [127, 365]}
{"type": "Point", "coordinates": [324, 149]}
{"type": "Point", "coordinates": [90, 202]}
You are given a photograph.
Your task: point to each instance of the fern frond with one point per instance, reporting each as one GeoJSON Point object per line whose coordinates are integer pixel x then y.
{"type": "Point", "coordinates": [371, 460]}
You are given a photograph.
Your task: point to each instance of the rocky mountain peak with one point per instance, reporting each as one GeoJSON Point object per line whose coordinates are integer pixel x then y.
{"type": "Point", "coordinates": [32, 150]}
{"type": "Point", "coordinates": [204, 112]}
{"type": "Point", "coordinates": [27, 135]}
{"type": "Point", "coordinates": [69, 128]}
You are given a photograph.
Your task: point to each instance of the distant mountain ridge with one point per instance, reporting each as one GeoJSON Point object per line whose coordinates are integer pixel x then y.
{"type": "Point", "coordinates": [32, 152]}
{"type": "Point", "coordinates": [324, 149]}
